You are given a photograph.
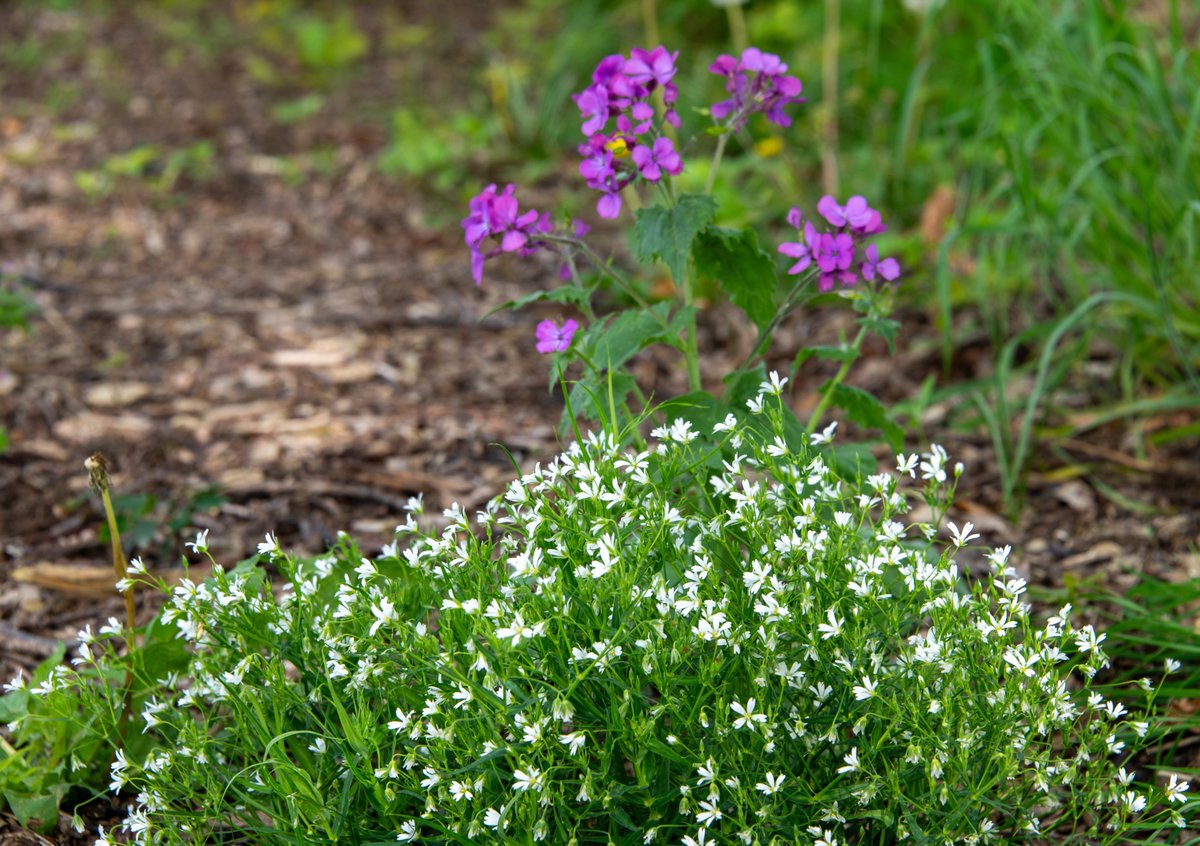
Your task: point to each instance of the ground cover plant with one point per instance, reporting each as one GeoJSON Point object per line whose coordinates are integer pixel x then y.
{"type": "Point", "coordinates": [727, 628]}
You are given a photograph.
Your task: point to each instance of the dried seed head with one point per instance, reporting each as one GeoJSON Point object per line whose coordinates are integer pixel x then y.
{"type": "Point", "coordinates": [97, 469]}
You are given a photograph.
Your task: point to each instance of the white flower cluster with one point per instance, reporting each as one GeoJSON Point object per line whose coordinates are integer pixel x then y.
{"type": "Point", "coordinates": [712, 639]}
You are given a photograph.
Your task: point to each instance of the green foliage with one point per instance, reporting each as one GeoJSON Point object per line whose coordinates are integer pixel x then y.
{"type": "Point", "coordinates": [743, 269]}
{"type": "Point", "coordinates": [638, 644]}
{"type": "Point", "coordinates": [666, 233]}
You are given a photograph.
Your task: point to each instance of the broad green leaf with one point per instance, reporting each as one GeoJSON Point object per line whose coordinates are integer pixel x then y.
{"type": "Point", "coordinates": [609, 344]}
{"type": "Point", "coordinates": [865, 410]}
{"type": "Point", "coordinates": [39, 808]}
{"type": "Point", "coordinates": [667, 233]}
{"type": "Point", "coordinates": [744, 270]}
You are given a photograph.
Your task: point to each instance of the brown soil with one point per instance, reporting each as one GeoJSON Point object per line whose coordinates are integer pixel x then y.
{"type": "Point", "coordinates": [315, 353]}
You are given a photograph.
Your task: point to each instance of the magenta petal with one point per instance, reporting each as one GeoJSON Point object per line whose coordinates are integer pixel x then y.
{"type": "Point", "coordinates": [831, 211]}
{"type": "Point", "coordinates": [889, 269]}
{"type": "Point", "coordinates": [513, 241]}
{"type": "Point", "coordinates": [609, 206]}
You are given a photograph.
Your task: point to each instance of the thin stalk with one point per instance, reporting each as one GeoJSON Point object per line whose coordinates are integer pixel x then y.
{"type": "Point", "coordinates": [97, 469]}
{"type": "Point", "coordinates": [838, 378]}
{"type": "Point", "coordinates": [716, 163]}
{"type": "Point", "coordinates": [650, 22]}
{"type": "Point", "coordinates": [622, 283]}
{"type": "Point", "coordinates": [764, 335]}
{"type": "Point", "coordinates": [829, 85]}
{"type": "Point", "coordinates": [737, 27]}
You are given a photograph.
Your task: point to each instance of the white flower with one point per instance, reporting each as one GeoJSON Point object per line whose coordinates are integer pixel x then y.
{"type": "Point", "coordinates": [748, 717]}
{"type": "Point", "coordinates": [774, 385]}
{"type": "Point", "coordinates": [1171, 666]}
{"type": "Point", "coordinates": [851, 760]}
{"type": "Point", "coordinates": [1176, 789]}
{"type": "Point", "coordinates": [200, 544]}
{"type": "Point", "coordinates": [755, 404]}
{"type": "Point", "coordinates": [825, 435]}
{"type": "Point", "coordinates": [318, 746]}
{"type": "Point", "coordinates": [460, 791]}
{"type": "Point", "coordinates": [772, 784]}
{"type": "Point", "coordinates": [701, 835]}
{"type": "Point", "coordinates": [519, 630]}
{"type": "Point", "coordinates": [17, 683]}
{"type": "Point", "coordinates": [709, 813]}
{"type": "Point", "coordinates": [907, 464]}
{"type": "Point", "coordinates": [531, 779]}
{"type": "Point", "coordinates": [492, 818]}
{"type": "Point", "coordinates": [573, 741]}
{"type": "Point", "coordinates": [964, 535]}
{"type": "Point", "coordinates": [934, 465]}
{"type": "Point", "coordinates": [866, 690]}
{"type": "Point", "coordinates": [726, 425]}
{"type": "Point", "coordinates": [831, 629]}
{"type": "Point", "coordinates": [269, 546]}
{"type": "Point", "coordinates": [408, 831]}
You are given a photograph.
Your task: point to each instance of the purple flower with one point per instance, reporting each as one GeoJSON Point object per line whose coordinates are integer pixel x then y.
{"type": "Point", "coordinates": [553, 338]}
{"type": "Point", "coordinates": [803, 252]}
{"type": "Point", "coordinates": [862, 218]}
{"type": "Point", "coordinates": [834, 252]}
{"type": "Point", "coordinates": [651, 161]}
{"type": "Point", "coordinates": [651, 68]}
{"type": "Point", "coordinates": [889, 268]}
{"type": "Point", "coordinates": [498, 217]}
{"type": "Point", "coordinates": [593, 103]}
{"type": "Point", "coordinates": [621, 88]}
{"type": "Point", "coordinates": [758, 84]}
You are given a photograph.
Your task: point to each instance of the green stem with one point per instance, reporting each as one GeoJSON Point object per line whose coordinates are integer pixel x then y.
{"type": "Point", "coordinates": [827, 396]}
{"type": "Point", "coordinates": [716, 163]}
{"type": "Point", "coordinates": [829, 93]}
{"type": "Point", "coordinates": [763, 341]}
{"type": "Point", "coordinates": [737, 26]}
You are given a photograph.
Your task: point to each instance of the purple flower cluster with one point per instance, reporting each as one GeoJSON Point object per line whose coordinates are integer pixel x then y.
{"type": "Point", "coordinates": [620, 92]}
{"type": "Point", "coordinates": [497, 217]}
{"type": "Point", "coordinates": [758, 84]}
{"type": "Point", "coordinates": [835, 253]}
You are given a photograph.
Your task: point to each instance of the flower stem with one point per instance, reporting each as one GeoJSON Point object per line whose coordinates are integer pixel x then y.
{"type": "Point", "coordinates": [827, 396]}
{"type": "Point", "coordinates": [829, 93]}
{"type": "Point", "coordinates": [97, 469]}
{"type": "Point", "coordinates": [716, 163]}
{"type": "Point", "coordinates": [737, 26]}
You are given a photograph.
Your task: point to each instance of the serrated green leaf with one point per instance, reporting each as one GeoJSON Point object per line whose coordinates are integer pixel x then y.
{"type": "Point", "coordinates": [744, 270]}
{"type": "Point", "coordinates": [884, 328]}
{"type": "Point", "coordinates": [611, 343]}
{"type": "Point", "coordinates": [865, 410]}
{"type": "Point", "coordinates": [667, 234]}
{"type": "Point", "coordinates": [566, 295]}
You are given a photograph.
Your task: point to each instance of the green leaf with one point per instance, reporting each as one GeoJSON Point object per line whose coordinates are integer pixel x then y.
{"type": "Point", "coordinates": [841, 354]}
{"type": "Point", "coordinates": [566, 295]}
{"type": "Point", "coordinates": [667, 234]}
{"type": "Point", "coordinates": [744, 270]}
{"type": "Point", "coordinates": [884, 328]}
{"type": "Point", "coordinates": [865, 410]}
{"type": "Point", "coordinates": [3, 440]}
{"type": "Point", "coordinates": [609, 344]}
{"type": "Point", "coordinates": [40, 808]}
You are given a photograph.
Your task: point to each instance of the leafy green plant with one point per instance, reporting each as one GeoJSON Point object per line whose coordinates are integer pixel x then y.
{"type": "Point", "coordinates": [673, 641]}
